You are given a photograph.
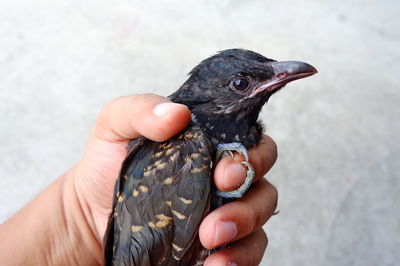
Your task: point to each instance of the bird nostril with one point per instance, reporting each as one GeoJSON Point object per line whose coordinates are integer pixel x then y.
{"type": "Point", "coordinates": [282, 75]}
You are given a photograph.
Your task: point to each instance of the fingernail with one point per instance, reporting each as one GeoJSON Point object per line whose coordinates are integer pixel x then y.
{"type": "Point", "coordinates": [225, 231]}
{"type": "Point", "coordinates": [162, 109]}
{"type": "Point", "coordinates": [234, 175]}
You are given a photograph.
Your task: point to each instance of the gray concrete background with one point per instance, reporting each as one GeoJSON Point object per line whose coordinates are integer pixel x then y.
{"type": "Point", "coordinates": [337, 132]}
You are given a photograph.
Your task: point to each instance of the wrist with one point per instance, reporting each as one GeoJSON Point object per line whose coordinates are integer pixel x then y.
{"type": "Point", "coordinates": [84, 245]}
{"type": "Point", "coordinates": [50, 230]}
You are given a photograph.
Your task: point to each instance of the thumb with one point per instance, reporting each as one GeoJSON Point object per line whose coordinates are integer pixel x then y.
{"type": "Point", "coordinates": [148, 115]}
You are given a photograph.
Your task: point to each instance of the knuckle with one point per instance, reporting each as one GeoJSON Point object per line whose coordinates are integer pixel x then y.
{"type": "Point", "coordinates": [274, 193]}
{"type": "Point", "coordinates": [146, 98]}
{"type": "Point", "coordinates": [264, 157]}
{"type": "Point", "coordinates": [272, 146]}
{"type": "Point", "coordinates": [145, 95]}
{"type": "Point", "coordinates": [258, 246]}
{"type": "Point", "coordinates": [271, 195]}
{"type": "Point", "coordinates": [110, 106]}
{"type": "Point", "coordinates": [254, 219]}
{"type": "Point", "coordinates": [272, 150]}
{"type": "Point", "coordinates": [264, 236]}
{"type": "Point", "coordinates": [263, 243]}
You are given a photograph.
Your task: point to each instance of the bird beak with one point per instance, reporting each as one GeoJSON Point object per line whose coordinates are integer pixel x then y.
{"type": "Point", "coordinates": [285, 72]}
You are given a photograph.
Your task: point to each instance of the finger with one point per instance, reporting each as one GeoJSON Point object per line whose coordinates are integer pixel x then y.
{"type": "Point", "coordinates": [239, 218]}
{"type": "Point", "coordinates": [230, 173]}
{"type": "Point", "coordinates": [148, 115]}
{"type": "Point", "coordinates": [247, 251]}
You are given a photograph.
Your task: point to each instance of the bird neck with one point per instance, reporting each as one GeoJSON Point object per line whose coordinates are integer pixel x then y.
{"type": "Point", "coordinates": [227, 129]}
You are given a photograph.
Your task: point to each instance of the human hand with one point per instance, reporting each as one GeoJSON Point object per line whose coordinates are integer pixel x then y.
{"type": "Point", "coordinates": [127, 118]}
{"type": "Point", "coordinates": [65, 224]}
{"type": "Point", "coordinates": [240, 222]}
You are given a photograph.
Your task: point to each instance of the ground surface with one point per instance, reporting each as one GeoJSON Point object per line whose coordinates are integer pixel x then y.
{"type": "Point", "coordinates": [337, 132]}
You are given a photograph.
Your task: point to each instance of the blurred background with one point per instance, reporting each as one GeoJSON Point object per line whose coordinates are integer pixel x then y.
{"type": "Point", "coordinates": [337, 132]}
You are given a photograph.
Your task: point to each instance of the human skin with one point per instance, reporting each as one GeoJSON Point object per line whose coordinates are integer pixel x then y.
{"type": "Point", "coordinates": [65, 224]}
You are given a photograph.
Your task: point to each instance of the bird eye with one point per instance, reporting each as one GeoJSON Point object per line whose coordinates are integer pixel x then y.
{"type": "Point", "coordinates": [240, 84]}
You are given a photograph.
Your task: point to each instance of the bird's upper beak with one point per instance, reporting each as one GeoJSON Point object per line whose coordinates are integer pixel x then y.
{"type": "Point", "coordinates": [285, 72]}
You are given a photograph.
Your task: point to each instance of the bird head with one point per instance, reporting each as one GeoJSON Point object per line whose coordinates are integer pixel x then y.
{"type": "Point", "coordinates": [234, 84]}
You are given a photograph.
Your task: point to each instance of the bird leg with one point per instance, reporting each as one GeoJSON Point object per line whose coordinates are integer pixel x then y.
{"type": "Point", "coordinates": [224, 148]}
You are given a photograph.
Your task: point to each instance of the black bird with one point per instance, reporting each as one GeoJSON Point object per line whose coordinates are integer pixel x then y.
{"type": "Point", "coordinates": [165, 189]}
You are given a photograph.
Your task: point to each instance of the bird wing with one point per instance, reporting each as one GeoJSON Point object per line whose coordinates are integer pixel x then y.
{"type": "Point", "coordinates": [108, 239]}
{"type": "Point", "coordinates": [161, 196]}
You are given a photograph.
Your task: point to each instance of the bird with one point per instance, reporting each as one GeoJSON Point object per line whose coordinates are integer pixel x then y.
{"type": "Point", "coordinates": [165, 189]}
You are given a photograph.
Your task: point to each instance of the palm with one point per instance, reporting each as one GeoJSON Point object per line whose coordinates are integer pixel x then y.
{"type": "Point", "coordinates": [100, 164]}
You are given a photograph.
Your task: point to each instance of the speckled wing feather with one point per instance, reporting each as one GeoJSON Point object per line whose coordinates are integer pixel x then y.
{"type": "Point", "coordinates": [161, 196]}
